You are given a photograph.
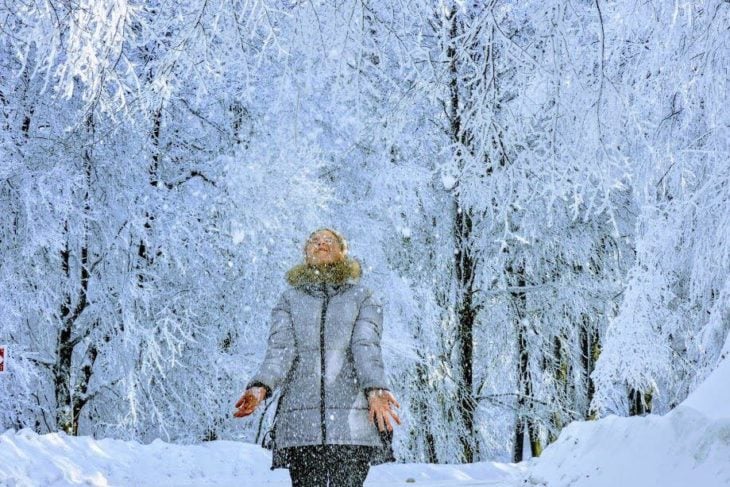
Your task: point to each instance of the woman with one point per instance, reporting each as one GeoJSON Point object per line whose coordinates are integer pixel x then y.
{"type": "Point", "coordinates": [333, 416]}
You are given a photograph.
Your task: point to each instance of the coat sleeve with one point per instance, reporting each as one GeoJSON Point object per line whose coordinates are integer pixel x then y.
{"type": "Point", "coordinates": [280, 349]}
{"type": "Point", "coordinates": [366, 351]}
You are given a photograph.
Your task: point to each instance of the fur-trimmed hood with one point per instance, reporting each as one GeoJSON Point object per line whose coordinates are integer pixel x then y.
{"type": "Point", "coordinates": [336, 273]}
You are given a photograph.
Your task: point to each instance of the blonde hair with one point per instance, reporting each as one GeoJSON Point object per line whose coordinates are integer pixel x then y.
{"type": "Point", "coordinates": [340, 238]}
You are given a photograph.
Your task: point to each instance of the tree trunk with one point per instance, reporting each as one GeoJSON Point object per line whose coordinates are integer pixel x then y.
{"type": "Point", "coordinates": [639, 402]}
{"type": "Point", "coordinates": [146, 259]}
{"type": "Point", "coordinates": [590, 349]}
{"type": "Point", "coordinates": [464, 264]}
{"type": "Point", "coordinates": [70, 395]}
{"type": "Point", "coordinates": [64, 350]}
{"type": "Point", "coordinates": [465, 329]}
{"type": "Point", "coordinates": [560, 365]}
{"type": "Point", "coordinates": [421, 411]}
{"type": "Point", "coordinates": [524, 422]}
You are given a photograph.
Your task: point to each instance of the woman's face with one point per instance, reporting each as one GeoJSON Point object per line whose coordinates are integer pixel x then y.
{"type": "Point", "coordinates": [323, 248]}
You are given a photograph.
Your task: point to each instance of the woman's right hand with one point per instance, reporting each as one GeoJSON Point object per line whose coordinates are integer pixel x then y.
{"type": "Point", "coordinates": [248, 402]}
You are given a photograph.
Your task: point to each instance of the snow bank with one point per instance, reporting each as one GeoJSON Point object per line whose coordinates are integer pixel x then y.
{"type": "Point", "coordinates": [56, 459]}
{"type": "Point", "coordinates": [687, 447]}
{"type": "Point", "coordinates": [712, 397]}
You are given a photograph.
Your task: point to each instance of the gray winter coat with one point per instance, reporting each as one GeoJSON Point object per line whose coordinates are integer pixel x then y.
{"type": "Point", "coordinates": [324, 354]}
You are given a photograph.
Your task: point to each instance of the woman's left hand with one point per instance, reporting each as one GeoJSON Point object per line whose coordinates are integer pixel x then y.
{"type": "Point", "coordinates": [380, 401]}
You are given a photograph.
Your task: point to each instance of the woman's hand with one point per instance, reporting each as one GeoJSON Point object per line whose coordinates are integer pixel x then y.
{"type": "Point", "coordinates": [248, 402]}
{"type": "Point", "coordinates": [380, 401]}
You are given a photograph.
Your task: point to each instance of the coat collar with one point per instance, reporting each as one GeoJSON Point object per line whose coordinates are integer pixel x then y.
{"type": "Point", "coordinates": [325, 279]}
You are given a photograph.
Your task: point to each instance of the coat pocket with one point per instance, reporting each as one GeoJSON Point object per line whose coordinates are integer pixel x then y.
{"type": "Point", "coordinates": [269, 439]}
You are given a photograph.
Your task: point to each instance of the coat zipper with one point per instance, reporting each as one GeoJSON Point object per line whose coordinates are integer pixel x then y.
{"type": "Point", "coordinates": [321, 364]}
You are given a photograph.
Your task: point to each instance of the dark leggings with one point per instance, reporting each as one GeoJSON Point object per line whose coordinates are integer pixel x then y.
{"type": "Point", "coordinates": [342, 465]}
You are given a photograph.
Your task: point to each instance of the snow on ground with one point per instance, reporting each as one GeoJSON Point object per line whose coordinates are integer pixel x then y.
{"type": "Point", "coordinates": [56, 459]}
{"type": "Point", "coordinates": [687, 447]}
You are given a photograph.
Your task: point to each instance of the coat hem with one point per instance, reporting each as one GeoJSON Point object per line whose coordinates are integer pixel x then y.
{"type": "Point", "coordinates": [377, 454]}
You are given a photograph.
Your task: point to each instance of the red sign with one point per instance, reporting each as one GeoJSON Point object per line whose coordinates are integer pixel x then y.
{"type": "Point", "coordinates": [2, 358]}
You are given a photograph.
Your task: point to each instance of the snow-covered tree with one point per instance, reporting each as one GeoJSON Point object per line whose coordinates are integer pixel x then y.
{"type": "Point", "coordinates": [538, 190]}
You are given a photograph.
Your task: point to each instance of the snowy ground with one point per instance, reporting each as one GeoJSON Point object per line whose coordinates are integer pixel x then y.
{"type": "Point", "coordinates": [689, 447]}
{"type": "Point", "coordinates": [59, 459]}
